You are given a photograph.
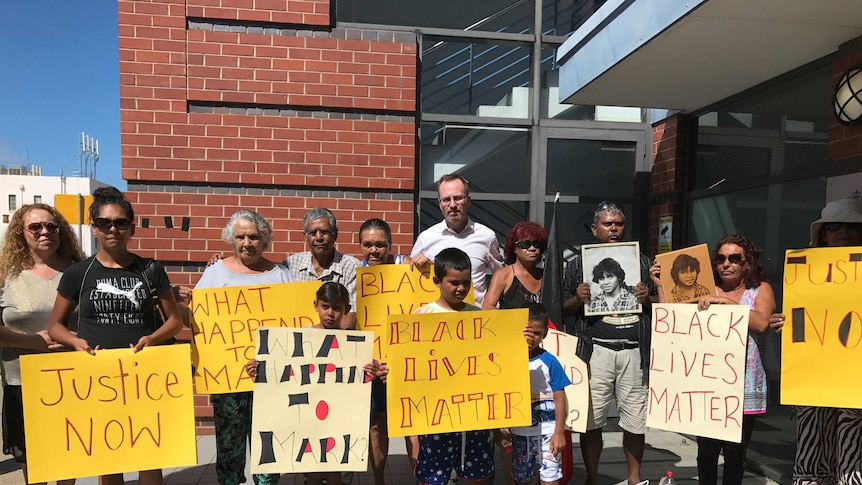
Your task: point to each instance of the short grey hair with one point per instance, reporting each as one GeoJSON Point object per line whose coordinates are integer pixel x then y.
{"type": "Point", "coordinates": [605, 206]}
{"type": "Point", "coordinates": [319, 213]}
{"type": "Point", "coordinates": [259, 222]}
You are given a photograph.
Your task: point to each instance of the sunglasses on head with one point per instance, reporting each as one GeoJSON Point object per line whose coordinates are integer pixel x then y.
{"type": "Point", "coordinates": [36, 227]}
{"type": "Point", "coordinates": [733, 258]}
{"type": "Point", "coordinates": [105, 224]}
{"type": "Point", "coordinates": [837, 226]}
{"type": "Point", "coordinates": [526, 244]}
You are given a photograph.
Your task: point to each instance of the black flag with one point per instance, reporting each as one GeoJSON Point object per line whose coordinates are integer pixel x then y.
{"type": "Point", "coordinates": [552, 280]}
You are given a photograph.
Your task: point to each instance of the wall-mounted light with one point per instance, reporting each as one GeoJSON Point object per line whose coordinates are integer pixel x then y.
{"type": "Point", "coordinates": [848, 97]}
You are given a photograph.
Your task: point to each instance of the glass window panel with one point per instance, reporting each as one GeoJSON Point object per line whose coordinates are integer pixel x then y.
{"type": "Point", "coordinates": [499, 215]}
{"type": "Point", "coordinates": [716, 164]}
{"type": "Point", "coordinates": [479, 154]}
{"type": "Point", "coordinates": [591, 168]}
{"type": "Point", "coordinates": [471, 78]}
{"type": "Point", "coordinates": [515, 16]}
{"type": "Point", "coordinates": [562, 17]}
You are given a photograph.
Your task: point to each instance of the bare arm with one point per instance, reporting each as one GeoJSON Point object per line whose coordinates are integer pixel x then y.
{"type": "Point", "coordinates": [558, 439]}
{"type": "Point", "coordinates": [57, 329]}
{"type": "Point", "coordinates": [172, 325]}
{"type": "Point", "coordinates": [764, 305]}
{"type": "Point", "coordinates": [496, 288]}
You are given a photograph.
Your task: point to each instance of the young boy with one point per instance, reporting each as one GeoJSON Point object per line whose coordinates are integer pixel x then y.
{"type": "Point", "coordinates": [439, 454]}
{"type": "Point", "coordinates": [539, 445]}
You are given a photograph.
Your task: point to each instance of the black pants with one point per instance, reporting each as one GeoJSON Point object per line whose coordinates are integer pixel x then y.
{"type": "Point", "coordinates": [708, 450]}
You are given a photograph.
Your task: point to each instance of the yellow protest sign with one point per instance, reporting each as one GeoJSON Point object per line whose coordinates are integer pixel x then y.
{"type": "Point", "coordinates": [392, 289]}
{"type": "Point", "coordinates": [697, 369]}
{"type": "Point", "coordinates": [312, 401]}
{"type": "Point", "coordinates": [457, 371]}
{"type": "Point", "coordinates": [820, 341]}
{"type": "Point", "coordinates": [563, 346]}
{"type": "Point", "coordinates": [224, 321]}
{"type": "Point", "coordinates": [115, 412]}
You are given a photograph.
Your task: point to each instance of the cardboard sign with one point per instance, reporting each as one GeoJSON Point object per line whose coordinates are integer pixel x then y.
{"type": "Point", "coordinates": [392, 289]}
{"type": "Point", "coordinates": [563, 346]}
{"type": "Point", "coordinates": [697, 370]}
{"type": "Point", "coordinates": [312, 401]}
{"type": "Point", "coordinates": [457, 371]}
{"type": "Point", "coordinates": [115, 412]}
{"type": "Point", "coordinates": [686, 274]}
{"type": "Point", "coordinates": [820, 341]}
{"type": "Point", "coordinates": [224, 323]}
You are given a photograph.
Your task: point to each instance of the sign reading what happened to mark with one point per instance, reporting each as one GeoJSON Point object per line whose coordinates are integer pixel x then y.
{"type": "Point", "coordinates": [563, 346]}
{"type": "Point", "coordinates": [113, 412]}
{"type": "Point", "coordinates": [457, 371]}
{"type": "Point", "coordinates": [697, 369]}
{"type": "Point", "coordinates": [312, 401]}
{"type": "Point", "coordinates": [820, 341]}
{"type": "Point", "coordinates": [224, 323]}
{"type": "Point", "coordinates": [392, 289]}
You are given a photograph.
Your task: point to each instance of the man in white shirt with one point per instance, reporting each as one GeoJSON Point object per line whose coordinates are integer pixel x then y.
{"type": "Point", "coordinates": [458, 231]}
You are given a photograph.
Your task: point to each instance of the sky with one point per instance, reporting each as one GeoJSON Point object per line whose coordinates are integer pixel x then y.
{"type": "Point", "coordinates": [59, 77]}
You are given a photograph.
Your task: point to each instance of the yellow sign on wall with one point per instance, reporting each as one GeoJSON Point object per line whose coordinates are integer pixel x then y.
{"type": "Point", "coordinates": [697, 369]}
{"type": "Point", "coordinates": [820, 341]}
{"type": "Point", "coordinates": [312, 401]}
{"type": "Point", "coordinates": [114, 412]}
{"type": "Point", "coordinates": [224, 321]}
{"type": "Point", "coordinates": [72, 205]}
{"type": "Point", "coordinates": [563, 346]}
{"type": "Point", "coordinates": [457, 371]}
{"type": "Point", "coordinates": [392, 289]}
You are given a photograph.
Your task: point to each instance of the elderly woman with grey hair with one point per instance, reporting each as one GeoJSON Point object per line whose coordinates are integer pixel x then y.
{"type": "Point", "coordinates": [249, 234]}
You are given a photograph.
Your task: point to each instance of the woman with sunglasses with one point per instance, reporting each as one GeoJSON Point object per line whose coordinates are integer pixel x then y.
{"type": "Point", "coordinates": [825, 455]}
{"type": "Point", "coordinates": [39, 245]}
{"type": "Point", "coordinates": [739, 280]}
{"type": "Point", "coordinates": [520, 281]}
{"type": "Point", "coordinates": [118, 295]}
{"type": "Point", "coordinates": [514, 286]}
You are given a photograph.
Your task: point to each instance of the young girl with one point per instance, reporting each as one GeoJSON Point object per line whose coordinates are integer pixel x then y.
{"type": "Point", "coordinates": [118, 295]}
{"type": "Point", "coordinates": [332, 303]}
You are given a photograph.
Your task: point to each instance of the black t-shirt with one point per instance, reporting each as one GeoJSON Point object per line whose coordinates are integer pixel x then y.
{"type": "Point", "coordinates": [116, 306]}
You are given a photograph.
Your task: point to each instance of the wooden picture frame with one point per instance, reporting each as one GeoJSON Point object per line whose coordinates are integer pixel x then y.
{"type": "Point", "coordinates": [612, 295]}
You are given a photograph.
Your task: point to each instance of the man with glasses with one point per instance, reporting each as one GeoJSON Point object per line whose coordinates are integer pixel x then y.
{"type": "Point", "coordinates": [458, 231]}
{"type": "Point", "coordinates": [323, 262]}
{"type": "Point", "coordinates": [616, 347]}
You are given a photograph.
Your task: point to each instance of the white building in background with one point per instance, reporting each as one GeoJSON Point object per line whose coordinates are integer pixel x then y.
{"type": "Point", "coordinates": [21, 185]}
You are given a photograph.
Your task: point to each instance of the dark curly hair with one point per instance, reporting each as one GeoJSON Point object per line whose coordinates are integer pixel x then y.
{"type": "Point", "coordinates": [609, 266]}
{"type": "Point", "coordinates": [110, 196]}
{"type": "Point", "coordinates": [524, 231]}
{"type": "Point", "coordinates": [754, 274]}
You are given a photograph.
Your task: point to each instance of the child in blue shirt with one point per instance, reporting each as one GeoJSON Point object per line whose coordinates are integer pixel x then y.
{"type": "Point", "coordinates": [539, 446]}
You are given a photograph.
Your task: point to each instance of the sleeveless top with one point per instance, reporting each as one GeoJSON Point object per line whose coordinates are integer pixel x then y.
{"type": "Point", "coordinates": [755, 374]}
{"type": "Point", "coordinates": [517, 296]}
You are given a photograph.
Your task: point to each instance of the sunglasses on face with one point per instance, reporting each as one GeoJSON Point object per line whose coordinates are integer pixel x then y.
{"type": "Point", "coordinates": [105, 224]}
{"type": "Point", "coordinates": [837, 226]}
{"type": "Point", "coordinates": [37, 227]}
{"type": "Point", "coordinates": [526, 244]}
{"type": "Point", "coordinates": [733, 258]}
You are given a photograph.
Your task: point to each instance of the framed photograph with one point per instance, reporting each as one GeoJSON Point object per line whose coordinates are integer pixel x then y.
{"type": "Point", "coordinates": [612, 270]}
{"type": "Point", "coordinates": [686, 274]}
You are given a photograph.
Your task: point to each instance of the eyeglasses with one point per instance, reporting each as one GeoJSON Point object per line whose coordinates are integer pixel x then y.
{"type": "Point", "coordinates": [37, 227]}
{"type": "Point", "coordinates": [733, 258]}
{"type": "Point", "coordinates": [455, 198]}
{"type": "Point", "coordinates": [104, 224]}
{"type": "Point", "coordinates": [837, 226]}
{"type": "Point", "coordinates": [526, 244]}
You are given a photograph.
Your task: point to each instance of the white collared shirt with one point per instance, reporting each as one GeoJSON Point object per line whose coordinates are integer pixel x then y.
{"type": "Point", "coordinates": [477, 240]}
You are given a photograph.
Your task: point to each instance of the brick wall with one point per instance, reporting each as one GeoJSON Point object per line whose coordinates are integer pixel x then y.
{"type": "Point", "coordinates": [669, 145]}
{"type": "Point", "coordinates": [261, 105]}
{"type": "Point", "coordinates": [844, 141]}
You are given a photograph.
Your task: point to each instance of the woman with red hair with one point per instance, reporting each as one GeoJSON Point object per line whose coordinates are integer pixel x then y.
{"type": "Point", "coordinates": [520, 281]}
